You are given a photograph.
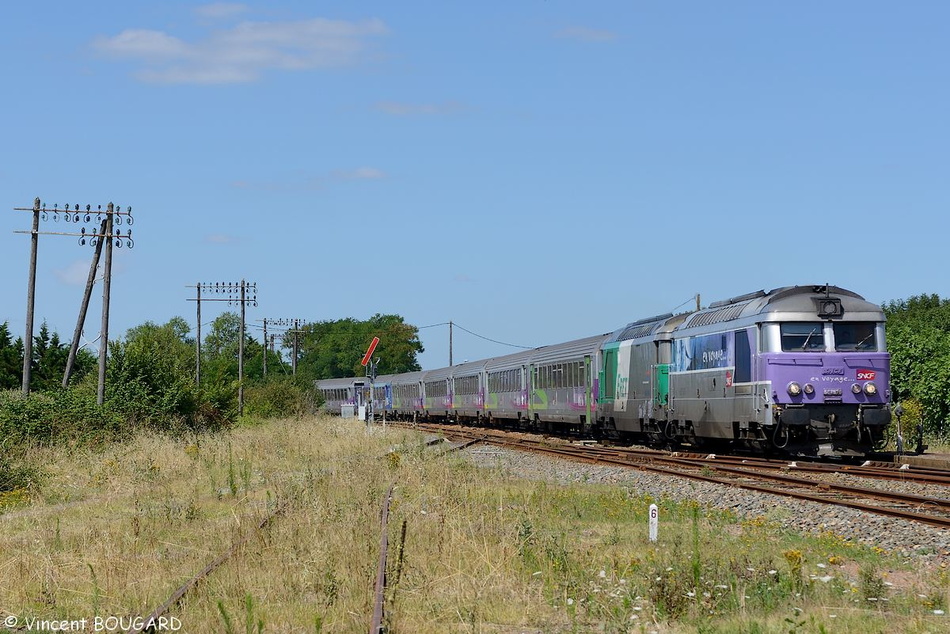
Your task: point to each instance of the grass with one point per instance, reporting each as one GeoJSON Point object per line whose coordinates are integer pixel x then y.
{"type": "Point", "coordinates": [113, 532]}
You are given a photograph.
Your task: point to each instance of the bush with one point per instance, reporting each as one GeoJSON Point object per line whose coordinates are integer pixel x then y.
{"type": "Point", "coordinates": [15, 476]}
{"type": "Point", "coordinates": [60, 416]}
{"type": "Point", "coordinates": [279, 397]}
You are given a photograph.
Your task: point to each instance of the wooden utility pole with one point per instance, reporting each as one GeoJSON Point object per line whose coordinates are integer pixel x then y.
{"type": "Point", "coordinates": [106, 293]}
{"type": "Point", "coordinates": [113, 216]}
{"type": "Point", "coordinates": [242, 293]}
{"type": "Point", "coordinates": [31, 299]}
{"type": "Point", "coordinates": [84, 308]}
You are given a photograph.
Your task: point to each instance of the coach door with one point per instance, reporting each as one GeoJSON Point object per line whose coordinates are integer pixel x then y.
{"type": "Point", "coordinates": [608, 377]}
{"type": "Point", "coordinates": [661, 376]}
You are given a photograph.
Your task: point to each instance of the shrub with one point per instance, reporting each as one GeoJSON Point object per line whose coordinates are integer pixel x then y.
{"type": "Point", "coordinates": [279, 397]}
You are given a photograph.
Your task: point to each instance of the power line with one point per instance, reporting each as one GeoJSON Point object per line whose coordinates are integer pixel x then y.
{"type": "Point", "coordinates": [502, 343]}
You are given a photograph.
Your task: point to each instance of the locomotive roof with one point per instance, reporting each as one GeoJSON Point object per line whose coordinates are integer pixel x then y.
{"type": "Point", "coordinates": [805, 303]}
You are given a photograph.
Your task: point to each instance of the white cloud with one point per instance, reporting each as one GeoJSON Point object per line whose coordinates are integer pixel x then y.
{"type": "Point", "coordinates": [77, 273]}
{"type": "Point", "coordinates": [586, 34]}
{"type": "Point", "coordinates": [220, 10]}
{"type": "Point", "coordinates": [360, 173]}
{"type": "Point", "coordinates": [244, 52]}
{"type": "Point", "coordinates": [314, 182]}
{"type": "Point", "coordinates": [409, 109]}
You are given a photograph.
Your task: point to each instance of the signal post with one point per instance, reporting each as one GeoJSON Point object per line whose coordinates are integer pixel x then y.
{"type": "Point", "coordinates": [370, 366]}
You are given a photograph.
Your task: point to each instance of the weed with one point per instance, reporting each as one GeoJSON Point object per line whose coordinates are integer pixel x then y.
{"type": "Point", "coordinates": [228, 624]}
{"type": "Point", "coordinates": [873, 587]}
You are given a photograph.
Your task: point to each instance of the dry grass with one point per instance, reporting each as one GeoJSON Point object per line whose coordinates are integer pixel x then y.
{"type": "Point", "coordinates": [115, 532]}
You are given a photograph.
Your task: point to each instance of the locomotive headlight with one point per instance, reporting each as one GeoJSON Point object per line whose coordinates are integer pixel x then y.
{"type": "Point", "coordinates": [856, 388]}
{"type": "Point", "coordinates": [870, 389]}
{"type": "Point", "coordinates": [794, 389]}
{"type": "Point", "coordinates": [809, 388]}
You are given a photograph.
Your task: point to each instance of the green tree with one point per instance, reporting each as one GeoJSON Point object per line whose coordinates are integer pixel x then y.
{"type": "Point", "coordinates": [49, 361]}
{"type": "Point", "coordinates": [219, 351]}
{"type": "Point", "coordinates": [918, 338]}
{"type": "Point", "coordinates": [11, 359]}
{"type": "Point", "coordinates": [151, 374]}
{"type": "Point", "coordinates": [333, 349]}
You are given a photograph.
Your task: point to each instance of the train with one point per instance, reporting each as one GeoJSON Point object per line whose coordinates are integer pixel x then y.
{"type": "Point", "coordinates": [798, 370]}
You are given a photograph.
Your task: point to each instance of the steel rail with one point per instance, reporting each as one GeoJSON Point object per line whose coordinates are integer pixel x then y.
{"type": "Point", "coordinates": [379, 593]}
{"type": "Point", "coordinates": [177, 595]}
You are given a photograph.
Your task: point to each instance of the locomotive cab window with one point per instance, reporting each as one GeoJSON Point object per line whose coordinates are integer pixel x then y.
{"type": "Point", "coordinates": [803, 337]}
{"type": "Point", "coordinates": [855, 336]}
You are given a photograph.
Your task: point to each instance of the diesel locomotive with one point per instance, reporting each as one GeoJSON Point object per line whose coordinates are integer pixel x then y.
{"type": "Point", "coordinates": [800, 370]}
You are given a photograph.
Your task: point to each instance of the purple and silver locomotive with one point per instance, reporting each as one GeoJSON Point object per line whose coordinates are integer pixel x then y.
{"type": "Point", "coordinates": [801, 369]}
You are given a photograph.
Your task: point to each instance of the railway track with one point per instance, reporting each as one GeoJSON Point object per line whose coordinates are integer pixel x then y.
{"type": "Point", "coordinates": [799, 480]}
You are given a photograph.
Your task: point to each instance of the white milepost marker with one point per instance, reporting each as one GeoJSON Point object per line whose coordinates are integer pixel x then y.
{"type": "Point", "coordinates": [654, 521]}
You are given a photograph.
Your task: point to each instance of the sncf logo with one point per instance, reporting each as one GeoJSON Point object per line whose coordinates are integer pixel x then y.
{"type": "Point", "coordinates": [866, 375]}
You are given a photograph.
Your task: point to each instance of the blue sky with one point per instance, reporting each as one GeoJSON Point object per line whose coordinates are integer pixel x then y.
{"type": "Point", "coordinates": [534, 171]}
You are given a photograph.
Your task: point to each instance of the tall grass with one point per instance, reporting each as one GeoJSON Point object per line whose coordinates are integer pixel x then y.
{"type": "Point", "coordinates": [113, 531]}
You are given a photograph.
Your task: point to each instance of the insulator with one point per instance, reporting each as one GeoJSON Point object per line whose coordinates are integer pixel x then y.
{"type": "Point", "coordinates": [82, 242]}
{"type": "Point", "coordinates": [100, 207]}
{"type": "Point", "coordinates": [87, 218]}
{"type": "Point", "coordinates": [117, 220]}
{"type": "Point", "coordinates": [76, 218]}
{"type": "Point", "coordinates": [130, 220]}
{"type": "Point", "coordinates": [118, 243]}
{"type": "Point", "coordinates": [130, 243]}
{"type": "Point", "coordinates": [88, 207]}
{"type": "Point", "coordinates": [45, 216]}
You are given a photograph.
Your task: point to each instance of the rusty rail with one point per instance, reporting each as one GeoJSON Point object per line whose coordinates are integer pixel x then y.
{"type": "Point", "coordinates": [177, 595]}
{"type": "Point", "coordinates": [379, 594]}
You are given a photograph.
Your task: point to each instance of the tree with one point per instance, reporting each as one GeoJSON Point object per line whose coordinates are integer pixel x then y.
{"type": "Point", "coordinates": [11, 359]}
{"type": "Point", "coordinates": [219, 352]}
{"type": "Point", "coordinates": [151, 372]}
{"type": "Point", "coordinates": [333, 349]}
{"type": "Point", "coordinates": [918, 338]}
{"type": "Point", "coordinates": [49, 361]}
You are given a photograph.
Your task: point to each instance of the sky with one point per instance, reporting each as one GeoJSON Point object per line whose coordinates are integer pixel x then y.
{"type": "Point", "coordinates": [532, 171]}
